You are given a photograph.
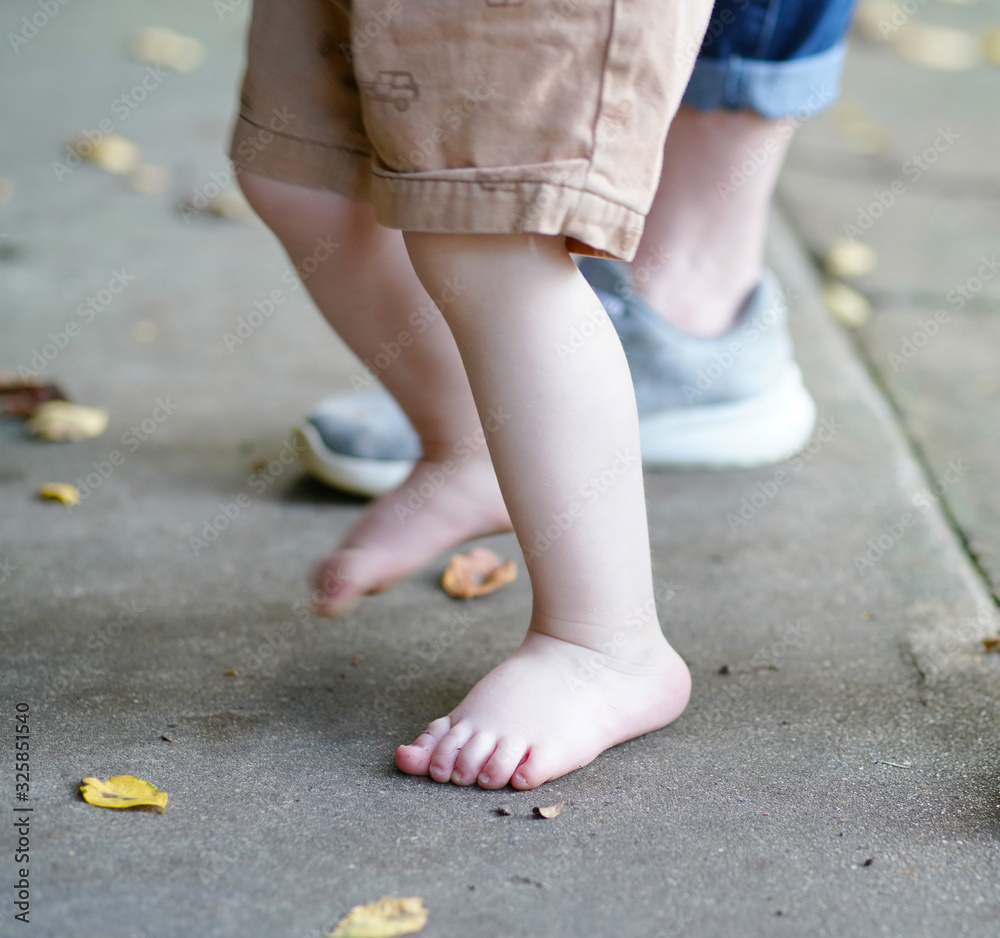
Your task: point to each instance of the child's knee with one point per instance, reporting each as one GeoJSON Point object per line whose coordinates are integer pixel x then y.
{"type": "Point", "coordinates": [286, 207]}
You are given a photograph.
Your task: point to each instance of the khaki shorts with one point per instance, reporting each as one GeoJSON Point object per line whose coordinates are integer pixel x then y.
{"type": "Point", "coordinates": [472, 116]}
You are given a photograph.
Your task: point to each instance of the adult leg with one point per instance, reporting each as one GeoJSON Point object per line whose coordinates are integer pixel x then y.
{"type": "Point", "coordinates": [763, 69]}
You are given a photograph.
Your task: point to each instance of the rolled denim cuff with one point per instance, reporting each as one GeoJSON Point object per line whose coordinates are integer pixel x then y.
{"type": "Point", "coordinates": [797, 87]}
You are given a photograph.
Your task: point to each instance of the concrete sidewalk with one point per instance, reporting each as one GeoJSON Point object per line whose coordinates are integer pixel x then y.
{"type": "Point", "coordinates": [856, 720]}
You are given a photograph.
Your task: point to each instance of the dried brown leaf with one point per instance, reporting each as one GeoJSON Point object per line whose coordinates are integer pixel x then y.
{"type": "Point", "coordinates": [477, 573]}
{"type": "Point", "coordinates": [22, 397]}
{"type": "Point", "coordinates": [550, 811]}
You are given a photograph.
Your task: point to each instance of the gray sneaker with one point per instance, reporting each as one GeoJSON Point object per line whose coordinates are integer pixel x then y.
{"type": "Point", "coordinates": [733, 401]}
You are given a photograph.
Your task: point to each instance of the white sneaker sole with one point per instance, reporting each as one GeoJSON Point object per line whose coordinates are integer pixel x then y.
{"type": "Point", "coordinates": [768, 428]}
{"type": "Point", "coordinates": [765, 429]}
{"type": "Point", "coordinates": [370, 477]}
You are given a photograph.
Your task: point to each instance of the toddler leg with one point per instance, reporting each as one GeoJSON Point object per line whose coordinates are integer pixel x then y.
{"type": "Point", "coordinates": [368, 292]}
{"type": "Point", "coordinates": [594, 668]}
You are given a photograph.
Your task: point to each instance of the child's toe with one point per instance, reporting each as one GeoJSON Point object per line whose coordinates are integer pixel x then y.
{"type": "Point", "coordinates": [474, 755]}
{"type": "Point", "coordinates": [531, 773]}
{"type": "Point", "coordinates": [446, 752]}
{"type": "Point", "coordinates": [415, 759]}
{"type": "Point", "coordinates": [501, 765]}
{"type": "Point", "coordinates": [344, 578]}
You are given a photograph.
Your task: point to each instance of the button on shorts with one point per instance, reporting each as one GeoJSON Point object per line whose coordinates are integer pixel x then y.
{"type": "Point", "coordinates": [472, 116]}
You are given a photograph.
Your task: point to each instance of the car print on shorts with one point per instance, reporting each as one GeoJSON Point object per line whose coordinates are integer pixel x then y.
{"type": "Point", "coordinates": [398, 88]}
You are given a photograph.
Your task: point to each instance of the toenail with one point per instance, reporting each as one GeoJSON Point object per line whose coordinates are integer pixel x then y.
{"type": "Point", "coordinates": [484, 778]}
{"type": "Point", "coordinates": [456, 777]}
{"type": "Point", "coordinates": [521, 779]}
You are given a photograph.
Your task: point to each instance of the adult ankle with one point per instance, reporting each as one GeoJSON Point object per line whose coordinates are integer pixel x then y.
{"type": "Point", "coordinates": [701, 305]}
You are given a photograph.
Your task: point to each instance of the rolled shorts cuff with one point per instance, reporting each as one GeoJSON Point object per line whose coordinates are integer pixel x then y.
{"type": "Point", "coordinates": [548, 199]}
{"type": "Point", "coordinates": [257, 149]}
{"type": "Point", "coordinates": [797, 87]}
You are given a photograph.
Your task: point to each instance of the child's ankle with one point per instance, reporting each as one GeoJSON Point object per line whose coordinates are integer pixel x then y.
{"type": "Point", "coordinates": [638, 631]}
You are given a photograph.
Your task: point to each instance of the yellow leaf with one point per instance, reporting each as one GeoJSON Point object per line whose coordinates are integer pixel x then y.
{"type": "Point", "coordinates": [145, 330]}
{"type": "Point", "coordinates": [148, 178]}
{"type": "Point", "coordinates": [848, 307]}
{"type": "Point", "coordinates": [939, 47]}
{"type": "Point", "coordinates": [232, 204]}
{"type": "Point", "coordinates": [112, 152]}
{"type": "Point", "coordinates": [850, 258]}
{"type": "Point", "coordinates": [388, 917]}
{"type": "Point", "coordinates": [160, 46]}
{"type": "Point", "coordinates": [60, 420]}
{"type": "Point", "coordinates": [61, 492]}
{"type": "Point", "coordinates": [989, 44]}
{"type": "Point", "coordinates": [873, 19]}
{"type": "Point", "coordinates": [863, 134]}
{"type": "Point", "coordinates": [123, 791]}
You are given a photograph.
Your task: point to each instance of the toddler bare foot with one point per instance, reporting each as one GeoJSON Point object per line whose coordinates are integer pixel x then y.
{"type": "Point", "coordinates": [550, 708]}
{"type": "Point", "coordinates": [438, 506]}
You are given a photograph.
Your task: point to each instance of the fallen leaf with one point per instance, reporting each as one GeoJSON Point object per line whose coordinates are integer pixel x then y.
{"type": "Point", "coordinates": [61, 492]}
{"type": "Point", "coordinates": [847, 306]}
{"type": "Point", "coordinates": [552, 810]}
{"type": "Point", "coordinates": [231, 672]}
{"type": "Point", "coordinates": [989, 44]}
{"type": "Point", "coordinates": [504, 811]}
{"type": "Point", "coordinates": [145, 330]}
{"type": "Point", "coordinates": [987, 385]}
{"type": "Point", "coordinates": [873, 19]}
{"type": "Point", "coordinates": [123, 791]}
{"type": "Point", "coordinates": [149, 179]}
{"type": "Point", "coordinates": [937, 47]}
{"type": "Point", "coordinates": [863, 134]}
{"type": "Point", "coordinates": [60, 420]}
{"type": "Point", "coordinates": [850, 258]}
{"type": "Point", "coordinates": [477, 573]}
{"type": "Point", "coordinates": [160, 46]}
{"type": "Point", "coordinates": [356, 660]}
{"type": "Point", "coordinates": [386, 918]}
{"type": "Point", "coordinates": [231, 203]}
{"type": "Point", "coordinates": [112, 152]}
{"type": "Point", "coordinates": [168, 739]}
{"type": "Point", "coordinates": [991, 643]}
{"type": "Point", "coordinates": [22, 396]}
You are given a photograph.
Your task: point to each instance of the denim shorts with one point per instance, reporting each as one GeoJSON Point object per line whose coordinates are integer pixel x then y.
{"type": "Point", "coordinates": [781, 58]}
